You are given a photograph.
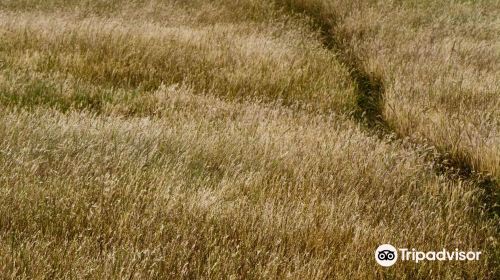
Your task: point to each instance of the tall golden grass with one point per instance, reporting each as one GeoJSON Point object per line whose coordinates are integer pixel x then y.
{"type": "Point", "coordinates": [438, 62]}
{"type": "Point", "coordinates": [219, 139]}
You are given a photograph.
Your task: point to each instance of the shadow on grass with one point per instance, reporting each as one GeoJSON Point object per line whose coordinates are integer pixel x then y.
{"type": "Point", "coordinates": [370, 92]}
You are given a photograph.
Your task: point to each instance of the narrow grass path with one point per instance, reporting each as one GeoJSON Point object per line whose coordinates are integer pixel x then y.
{"type": "Point", "coordinates": [370, 96]}
{"type": "Point", "coordinates": [213, 139]}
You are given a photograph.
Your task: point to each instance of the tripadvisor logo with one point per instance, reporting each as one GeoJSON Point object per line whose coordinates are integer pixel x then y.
{"type": "Point", "coordinates": [386, 255]}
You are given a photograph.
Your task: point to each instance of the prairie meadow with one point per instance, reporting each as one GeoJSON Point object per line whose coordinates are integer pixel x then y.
{"type": "Point", "coordinates": [247, 139]}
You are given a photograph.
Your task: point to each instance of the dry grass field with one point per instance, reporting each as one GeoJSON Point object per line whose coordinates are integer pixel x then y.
{"type": "Point", "coordinates": [438, 63]}
{"type": "Point", "coordinates": [247, 139]}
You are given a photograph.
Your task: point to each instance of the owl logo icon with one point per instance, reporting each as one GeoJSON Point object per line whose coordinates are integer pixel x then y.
{"type": "Point", "coordinates": [386, 255]}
